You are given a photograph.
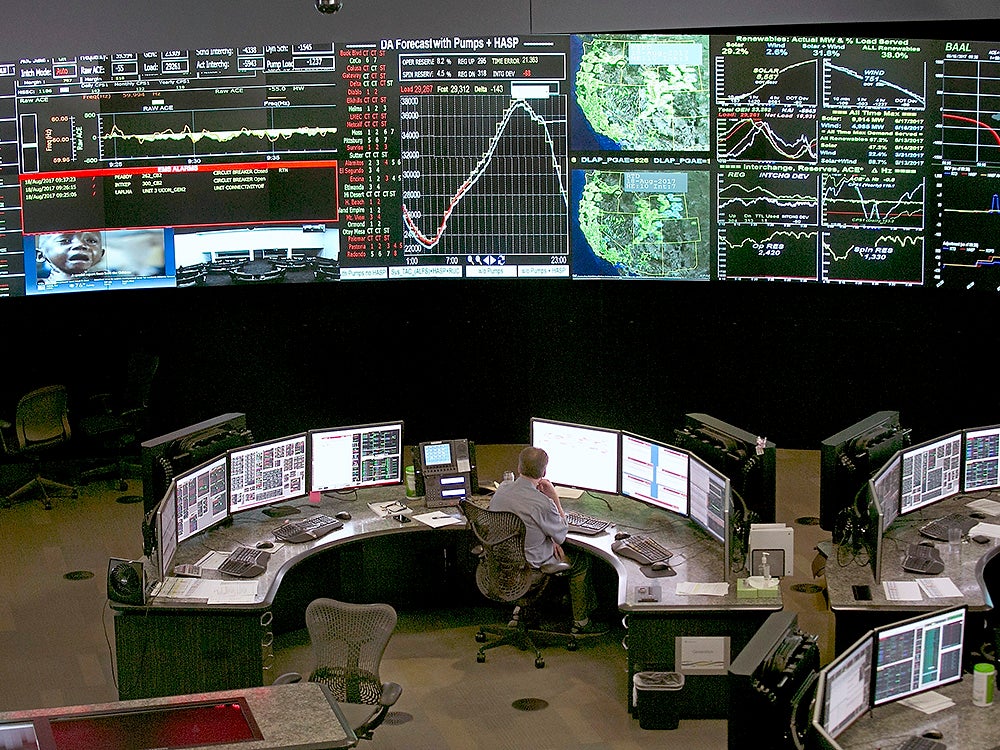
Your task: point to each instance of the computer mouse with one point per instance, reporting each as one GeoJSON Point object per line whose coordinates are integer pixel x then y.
{"type": "Point", "coordinates": [265, 544]}
{"type": "Point", "coordinates": [343, 516]}
{"type": "Point", "coordinates": [933, 734]}
{"type": "Point", "coordinates": [658, 566]}
{"type": "Point", "coordinates": [977, 514]}
{"type": "Point", "coordinates": [622, 535]}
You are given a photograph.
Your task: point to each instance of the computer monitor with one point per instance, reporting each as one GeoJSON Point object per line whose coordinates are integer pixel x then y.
{"type": "Point", "coordinates": [202, 497]}
{"type": "Point", "coordinates": [981, 468]}
{"type": "Point", "coordinates": [654, 473]}
{"type": "Point", "coordinates": [360, 456]}
{"type": "Point", "coordinates": [932, 471]}
{"type": "Point", "coordinates": [708, 498]}
{"type": "Point", "coordinates": [267, 473]}
{"type": "Point", "coordinates": [579, 456]}
{"type": "Point", "coordinates": [166, 532]}
{"type": "Point", "coordinates": [922, 653]}
{"type": "Point", "coordinates": [844, 689]}
{"type": "Point", "coordinates": [886, 485]}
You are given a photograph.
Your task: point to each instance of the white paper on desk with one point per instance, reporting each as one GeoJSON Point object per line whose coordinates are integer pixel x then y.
{"type": "Point", "coordinates": [986, 529]}
{"type": "Point", "coordinates": [184, 588]}
{"type": "Point", "coordinates": [391, 508]}
{"type": "Point", "coordinates": [929, 702]}
{"type": "Point", "coordinates": [897, 591]}
{"type": "Point", "coordinates": [939, 588]}
{"type": "Point", "coordinates": [568, 493]}
{"type": "Point", "coordinates": [233, 592]}
{"type": "Point", "coordinates": [437, 519]}
{"type": "Point", "coordinates": [985, 505]}
{"type": "Point", "coordinates": [691, 588]}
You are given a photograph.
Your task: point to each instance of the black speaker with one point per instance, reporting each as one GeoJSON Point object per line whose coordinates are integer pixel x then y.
{"type": "Point", "coordinates": [126, 581]}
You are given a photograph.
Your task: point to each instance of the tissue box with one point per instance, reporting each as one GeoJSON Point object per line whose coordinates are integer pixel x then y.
{"type": "Point", "coordinates": [745, 591]}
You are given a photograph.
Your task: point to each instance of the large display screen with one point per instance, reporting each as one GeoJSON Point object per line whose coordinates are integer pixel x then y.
{"type": "Point", "coordinates": [709, 496]}
{"type": "Point", "coordinates": [579, 456]}
{"type": "Point", "coordinates": [931, 471]}
{"type": "Point", "coordinates": [361, 456]}
{"type": "Point", "coordinates": [267, 473]}
{"type": "Point", "coordinates": [919, 654]}
{"type": "Point", "coordinates": [981, 467]}
{"type": "Point", "coordinates": [202, 497]}
{"type": "Point", "coordinates": [886, 486]}
{"type": "Point", "coordinates": [847, 686]}
{"type": "Point", "coordinates": [827, 157]}
{"type": "Point", "coordinates": [654, 473]}
{"type": "Point", "coordinates": [166, 531]}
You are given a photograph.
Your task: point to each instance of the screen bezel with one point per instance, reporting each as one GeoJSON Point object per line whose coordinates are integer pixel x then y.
{"type": "Point", "coordinates": [654, 502]}
{"type": "Point", "coordinates": [319, 433]}
{"type": "Point", "coordinates": [167, 531]}
{"type": "Point", "coordinates": [612, 487]}
{"type": "Point", "coordinates": [907, 452]}
{"type": "Point", "coordinates": [264, 444]}
{"type": "Point", "coordinates": [965, 442]}
{"type": "Point", "coordinates": [182, 534]}
{"type": "Point", "coordinates": [881, 631]}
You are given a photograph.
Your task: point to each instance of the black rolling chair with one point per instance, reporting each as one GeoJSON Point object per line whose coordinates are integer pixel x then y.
{"type": "Point", "coordinates": [504, 575]}
{"type": "Point", "coordinates": [41, 423]}
{"type": "Point", "coordinates": [348, 641]}
{"type": "Point", "coordinates": [116, 424]}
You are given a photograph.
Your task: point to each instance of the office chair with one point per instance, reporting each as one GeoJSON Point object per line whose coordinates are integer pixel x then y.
{"type": "Point", "coordinates": [41, 422]}
{"type": "Point", "coordinates": [118, 420]}
{"type": "Point", "coordinates": [504, 575]}
{"type": "Point", "coordinates": [348, 641]}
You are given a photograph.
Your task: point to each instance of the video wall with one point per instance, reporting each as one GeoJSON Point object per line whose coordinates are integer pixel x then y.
{"type": "Point", "coordinates": [704, 157]}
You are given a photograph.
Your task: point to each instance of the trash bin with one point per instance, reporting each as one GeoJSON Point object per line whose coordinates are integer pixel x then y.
{"type": "Point", "coordinates": [656, 699]}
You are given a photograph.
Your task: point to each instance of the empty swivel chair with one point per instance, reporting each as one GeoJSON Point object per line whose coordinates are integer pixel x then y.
{"type": "Point", "coordinates": [41, 423]}
{"type": "Point", "coordinates": [347, 642]}
{"type": "Point", "coordinates": [504, 575]}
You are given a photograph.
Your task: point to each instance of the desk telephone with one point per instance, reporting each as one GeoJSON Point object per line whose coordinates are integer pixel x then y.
{"type": "Point", "coordinates": [445, 471]}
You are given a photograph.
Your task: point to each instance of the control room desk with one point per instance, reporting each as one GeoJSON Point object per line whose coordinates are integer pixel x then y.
{"type": "Point", "coordinates": [180, 646]}
{"type": "Point", "coordinates": [963, 726]}
{"type": "Point", "coordinates": [965, 568]}
{"type": "Point", "coordinates": [301, 716]}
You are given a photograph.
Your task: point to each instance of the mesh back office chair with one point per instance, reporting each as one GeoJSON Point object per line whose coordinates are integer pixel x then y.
{"type": "Point", "coordinates": [118, 421]}
{"type": "Point", "coordinates": [41, 422]}
{"type": "Point", "coordinates": [504, 575]}
{"type": "Point", "coordinates": [348, 641]}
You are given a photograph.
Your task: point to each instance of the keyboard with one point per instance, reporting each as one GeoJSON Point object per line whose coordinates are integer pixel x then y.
{"type": "Point", "coordinates": [923, 559]}
{"type": "Point", "coordinates": [307, 529]}
{"type": "Point", "coordinates": [245, 562]}
{"type": "Point", "coordinates": [581, 523]}
{"type": "Point", "coordinates": [938, 528]}
{"type": "Point", "coordinates": [642, 549]}
{"type": "Point", "coordinates": [922, 743]}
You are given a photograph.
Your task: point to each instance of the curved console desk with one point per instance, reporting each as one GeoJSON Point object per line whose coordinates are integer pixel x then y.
{"type": "Point", "coordinates": [174, 646]}
{"type": "Point", "coordinates": [965, 567]}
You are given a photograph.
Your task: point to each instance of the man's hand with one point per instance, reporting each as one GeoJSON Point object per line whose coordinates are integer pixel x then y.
{"type": "Point", "coordinates": [558, 553]}
{"type": "Point", "coordinates": [548, 489]}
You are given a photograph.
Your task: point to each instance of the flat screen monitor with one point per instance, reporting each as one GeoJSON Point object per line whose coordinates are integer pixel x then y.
{"type": "Point", "coordinates": [166, 532]}
{"type": "Point", "coordinates": [709, 498]}
{"type": "Point", "coordinates": [202, 497]}
{"type": "Point", "coordinates": [845, 688]}
{"type": "Point", "coordinates": [932, 471]}
{"type": "Point", "coordinates": [918, 654]}
{"type": "Point", "coordinates": [579, 456]}
{"type": "Point", "coordinates": [654, 473]}
{"type": "Point", "coordinates": [359, 456]}
{"type": "Point", "coordinates": [267, 473]}
{"type": "Point", "coordinates": [981, 470]}
{"type": "Point", "coordinates": [886, 487]}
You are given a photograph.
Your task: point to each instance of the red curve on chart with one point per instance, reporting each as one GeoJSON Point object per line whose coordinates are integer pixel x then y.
{"type": "Point", "coordinates": [981, 124]}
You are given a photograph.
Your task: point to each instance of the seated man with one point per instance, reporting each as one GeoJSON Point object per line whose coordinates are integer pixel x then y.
{"type": "Point", "coordinates": [533, 499]}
